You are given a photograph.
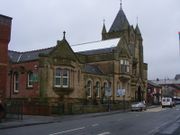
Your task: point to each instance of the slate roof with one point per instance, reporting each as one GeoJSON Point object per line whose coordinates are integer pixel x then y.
{"type": "Point", "coordinates": [97, 45]}
{"type": "Point", "coordinates": [166, 81]}
{"type": "Point", "coordinates": [92, 69]}
{"type": "Point", "coordinates": [100, 51]}
{"type": "Point", "coordinates": [120, 22]}
{"type": "Point", "coordinates": [177, 76]}
{"type": "Point", "coordinates": [27, 56]}
{"type": "Point", "coordinates": [90, 48]}
{"type": "Point", "coordinates": [153, 84]}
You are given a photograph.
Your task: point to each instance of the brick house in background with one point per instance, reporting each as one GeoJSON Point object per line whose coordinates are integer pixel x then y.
{"type": "Point", "coordinates": [84, 73]}
{"type": "Point", "coordinates": [170, 87]}
{"type": "Point", "coordinates": [154, 93]}
{"type": "Point", "coordinates": [5, 35]}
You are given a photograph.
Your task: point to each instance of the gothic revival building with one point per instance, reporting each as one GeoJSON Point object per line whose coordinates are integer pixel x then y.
{"type": "Point", "coordinates": [90, 72]}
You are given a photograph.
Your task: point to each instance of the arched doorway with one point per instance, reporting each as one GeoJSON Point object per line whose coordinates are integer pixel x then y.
{"type": "Point", "coordinates": [139, 94]}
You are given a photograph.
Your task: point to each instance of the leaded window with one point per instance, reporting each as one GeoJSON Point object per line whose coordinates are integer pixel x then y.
{"type": "Point", "coordinates": [61, 78]}
{"type": "Point", "coordinates": [125, 66]}
{"type": "Point", "coordinates": [30, 79]}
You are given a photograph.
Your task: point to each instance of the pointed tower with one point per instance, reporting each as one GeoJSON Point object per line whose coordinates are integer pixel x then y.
{"type": "Point", "coordinates": [104, 31]}
{"type": "Point", "coordinates": [119, 25]}
{"type": "Point", "coordinates": [137, 30]}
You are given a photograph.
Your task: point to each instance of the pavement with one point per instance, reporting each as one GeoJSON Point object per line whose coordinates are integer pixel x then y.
{"type": "Point", "coordinates": [30, 120]}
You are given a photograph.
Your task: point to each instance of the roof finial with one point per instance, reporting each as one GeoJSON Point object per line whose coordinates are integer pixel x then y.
{"type": "Point", "coordinates": [64, 35]}
{"type": "Point", "coordinates": [137, 20]}
{"type": "Point", "coordinates": [104, 21]}
{"type": "Point", "coordinates": [120, 4]}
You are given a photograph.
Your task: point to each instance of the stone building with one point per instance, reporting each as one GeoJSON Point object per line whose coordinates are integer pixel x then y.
{"type": "Point", "coordinates": [111, 68]}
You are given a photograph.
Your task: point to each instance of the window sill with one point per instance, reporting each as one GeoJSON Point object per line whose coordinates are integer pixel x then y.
{"type": "Point", "coordinates": [62, 90]}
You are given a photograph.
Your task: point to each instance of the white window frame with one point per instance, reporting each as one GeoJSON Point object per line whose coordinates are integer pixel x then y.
{"type": "Point", "coordinates": [16, 82]}
{"type": "Point", "coordinates": [61, 78]}
{"type": "Point", "coordinates": [98, 89]}
{"type": "Point", "coordinates": [30, 80]}
{"type": "Point", "coordinates": [57, 77]}
{"type": "Point", "coordinates": [65, 77]}
{"type": "Point", "coordinates": [124, 65]}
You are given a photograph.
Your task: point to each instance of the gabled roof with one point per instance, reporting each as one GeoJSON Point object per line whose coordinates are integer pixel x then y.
{"type": "Point", "coordinates": [63, 50]}
{"type": "Point", "coordinates": [103, 46]}
{"type": "Point", "coordinates": [120, 22]}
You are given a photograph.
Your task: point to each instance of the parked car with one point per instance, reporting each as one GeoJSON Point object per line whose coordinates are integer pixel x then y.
{"type": "Point", "coordinates": [138, 106]}
{"type": "Point", "coordinates": [167, 102]}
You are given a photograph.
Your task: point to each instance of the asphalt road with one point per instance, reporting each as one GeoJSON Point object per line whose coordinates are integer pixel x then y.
{"type": "Point", "coordinates": [155, 121]}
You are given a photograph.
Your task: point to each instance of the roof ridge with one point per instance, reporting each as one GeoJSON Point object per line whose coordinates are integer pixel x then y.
{"type": "Point", "coordinates": [94, 41]}
{"type": "Point", "coordinates": [14, 51]}
{"type": "Point", "coordinates": [39, 49]}
{"type": "Point", "coordinates": [32, 50]}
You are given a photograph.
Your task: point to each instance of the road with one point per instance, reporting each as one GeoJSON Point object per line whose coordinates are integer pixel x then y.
{"type": "Point", "coordinates": [155, 121]}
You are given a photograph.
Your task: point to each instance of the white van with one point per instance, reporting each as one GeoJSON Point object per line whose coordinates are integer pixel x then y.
{"type": "Point", "coordinates": [167, 102]}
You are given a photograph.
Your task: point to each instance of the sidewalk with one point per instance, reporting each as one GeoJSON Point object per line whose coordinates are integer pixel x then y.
{"type": "Point", "coordinates": [29, 120]}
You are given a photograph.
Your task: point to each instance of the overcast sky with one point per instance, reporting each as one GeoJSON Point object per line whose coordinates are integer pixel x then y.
{"type": "Point", "coordinates": [40, 23]}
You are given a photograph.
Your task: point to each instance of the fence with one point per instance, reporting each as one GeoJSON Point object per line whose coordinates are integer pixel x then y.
{"type": "Point", "coordinates": [16, 109]}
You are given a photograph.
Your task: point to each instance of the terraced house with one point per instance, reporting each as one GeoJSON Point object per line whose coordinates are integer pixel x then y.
{"type": "Point", "coordinates": [87, 73]}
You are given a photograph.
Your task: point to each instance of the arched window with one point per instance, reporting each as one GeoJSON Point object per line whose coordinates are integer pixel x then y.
{"type": "Point", "coordinates": [107, 89]}
{"type": "Point", "coordinates": [16, 82]}
{"type": "Point", "coordinates": [97, 89]}
{"type": "Point", "coordinates": [105, 85]}
{"type": "Point", "coordinates": [89, 88]}
{"type": "Point", "coordinates": [30, 80]}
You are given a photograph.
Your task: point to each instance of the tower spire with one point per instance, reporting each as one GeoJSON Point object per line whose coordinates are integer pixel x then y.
{"type": "Point", "coordinates": [120, 4]}
{"type": "Point", "coordinates": [104, 27]}
{"type": "Point", "coordinates": [137, 19]}
{"type": "Point", "coordinates": [64, 35]}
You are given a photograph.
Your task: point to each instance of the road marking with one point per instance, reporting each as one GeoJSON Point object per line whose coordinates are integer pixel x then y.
{"type": "Point", "coordinates": [67, 131]}
{"type": "Point", "coordinates": [104, 133]}
{"type": "Point", "coordinates": [94, 125]}
{"type": "Point", "coordinates": [152, 132]}
{"type": "Point", "coordinates": [170, 129]}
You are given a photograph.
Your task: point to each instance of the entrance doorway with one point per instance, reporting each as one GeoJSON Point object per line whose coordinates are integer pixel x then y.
{"type": "Point", "coordinates": [139, 94]}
